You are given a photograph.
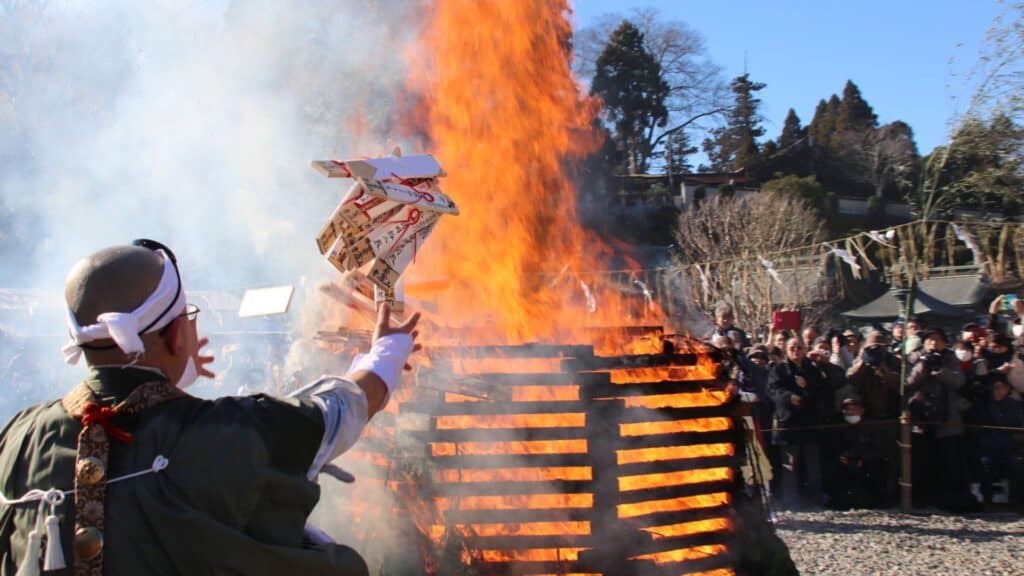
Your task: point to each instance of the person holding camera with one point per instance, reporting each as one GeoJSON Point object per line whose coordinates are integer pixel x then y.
{"type": "Point", "coordinates": [795, 388]}
{"type": "Point", "coordinates": [936, 405]}
{"type": "Point", "coordinates": [874, 379]}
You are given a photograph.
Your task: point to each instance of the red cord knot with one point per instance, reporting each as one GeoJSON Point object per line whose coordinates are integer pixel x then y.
{"type": "Point", "coordinates": [96, 414]}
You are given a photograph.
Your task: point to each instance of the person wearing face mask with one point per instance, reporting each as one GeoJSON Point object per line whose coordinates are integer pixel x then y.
{"type": "Point", "coordinates": [164, 481]}
{"type": "Point", "coordinates": [858, 462]}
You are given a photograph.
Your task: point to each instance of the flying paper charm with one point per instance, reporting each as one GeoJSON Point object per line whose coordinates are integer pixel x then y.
{"type": "Point", "coordinates": [386, 215]}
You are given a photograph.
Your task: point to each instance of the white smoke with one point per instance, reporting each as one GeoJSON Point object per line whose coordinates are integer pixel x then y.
{"type": "Point", "coordinates": [185, 121]}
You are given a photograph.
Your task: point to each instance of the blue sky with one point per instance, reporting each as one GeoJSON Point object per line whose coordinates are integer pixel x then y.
{"type": "Point", "coordinates": [897, 51]}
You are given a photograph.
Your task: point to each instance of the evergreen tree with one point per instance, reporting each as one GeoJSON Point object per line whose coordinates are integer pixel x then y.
{"type": "Point", "coordinates": [734, 146]}
{"type": "Point", "coordinates": [630, 82]}
{"type": "Point", "coordinates": [792, 132]}
{"type": "Point", "coordinates": [821, 126]}
{"type": "Point", "coordinates": [854, 113]}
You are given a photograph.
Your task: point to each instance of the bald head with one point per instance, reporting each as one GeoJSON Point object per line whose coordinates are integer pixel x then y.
{"type": "Point", "coordinates": [115, 279]}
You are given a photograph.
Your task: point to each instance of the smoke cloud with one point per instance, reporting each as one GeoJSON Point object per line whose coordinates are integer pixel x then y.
{"type": "Point", "coordinates": [185, 121]}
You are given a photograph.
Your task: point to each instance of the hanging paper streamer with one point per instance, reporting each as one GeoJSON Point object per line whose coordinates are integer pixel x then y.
{"type": "Point", "coordinates": [846, 257]}
{"type": "Point", "coordinates": [771, 270]}
{"type": "Point", "coordinates": [704, 282]}
{"type": "Point", "coordinates": [877, 237]}
{"type": "Point", "coordinates": [970, 242]}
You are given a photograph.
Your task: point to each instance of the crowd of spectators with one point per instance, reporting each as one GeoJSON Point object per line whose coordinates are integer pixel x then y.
{"type": "Point", "coordinates": [828, 404]}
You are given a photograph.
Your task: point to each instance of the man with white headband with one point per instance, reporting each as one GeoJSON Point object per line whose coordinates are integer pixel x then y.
{"type": "Point", "coordinates": [129, 475]}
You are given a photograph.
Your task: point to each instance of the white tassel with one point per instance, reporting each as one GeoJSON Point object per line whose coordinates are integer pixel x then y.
{"type": "Point", "coordinates": [30, 563]}
{"type": "Point", "coordinates": [54, 558]}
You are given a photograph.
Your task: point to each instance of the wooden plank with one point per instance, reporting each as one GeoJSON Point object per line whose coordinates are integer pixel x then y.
{"type": "Point", "coordinates": [669, 492]}
{"type": "Point", "coordinates": [510, 488]}
{"type": "Point", "coordinates": [464, 462]}
{"type": "Point", "coordinates": [519, 515]}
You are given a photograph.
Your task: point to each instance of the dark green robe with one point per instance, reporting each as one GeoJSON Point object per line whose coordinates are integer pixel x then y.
{"type": "Point", "coordinates": [233, 499]}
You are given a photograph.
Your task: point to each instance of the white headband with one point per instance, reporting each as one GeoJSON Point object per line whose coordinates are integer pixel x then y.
{"type": "Point", "coordinates": [166, 303]}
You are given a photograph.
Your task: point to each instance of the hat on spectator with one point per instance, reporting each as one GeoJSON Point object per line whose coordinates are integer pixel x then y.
{"type": "Point", "coordinates": [876, 338]}
{"type": "Point", "coordinates": [758, 353]}
{"type": "Point", "coordinates": [935, 333]}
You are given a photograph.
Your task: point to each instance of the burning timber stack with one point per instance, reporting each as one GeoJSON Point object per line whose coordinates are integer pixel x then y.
{"type": "Point", "coordinates": [547, 459]}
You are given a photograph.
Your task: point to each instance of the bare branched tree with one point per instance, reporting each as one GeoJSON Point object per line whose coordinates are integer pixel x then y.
{"type": "Point", "coordinates": [731, 235]}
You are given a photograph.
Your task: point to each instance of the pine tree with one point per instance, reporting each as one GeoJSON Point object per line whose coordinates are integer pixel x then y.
{"type": "Point", "coordinates": [734, 146]}
{"type": "Point", "coordinates": [792, 132]}
{"type": "Point", "coordinates": [629, 80]}
{"type": "Point", "coordinates": [821, 125]}
{"type": "Point", "coordinates": [854, 113]}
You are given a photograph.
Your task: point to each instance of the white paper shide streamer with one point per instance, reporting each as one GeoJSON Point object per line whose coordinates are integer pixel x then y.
{"type": "Point", "coordinates": [770, 268]}
{"type": "Point", "coordinates": [971, 243]}
{"type": "Point", "coordinates": [845, 256]}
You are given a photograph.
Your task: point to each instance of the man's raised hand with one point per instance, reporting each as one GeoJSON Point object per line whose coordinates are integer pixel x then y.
{"type": "Point", "coordinates": [384, 327]}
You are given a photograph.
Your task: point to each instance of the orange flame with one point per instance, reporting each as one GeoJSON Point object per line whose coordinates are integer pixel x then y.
{"type": "Point", "coordinates": [673, 504]}
{"type": "Point", "coordinates": [517, 501]}
{"type": "Point", "coordinates": [535, 474]}
{"type": "Point", "coordinates": [684, 554]}
{"type": "Point", "coordinates": [687, 528]}
{"type": "Point", "coordinates": [675, 426]}
{"type": "Point", "coordinates": [526, 447]}
{"type": "Point", "coordinates": [505, 117]}
{"type": "Point", "coordinates": [662, 453]}
{"type": "Point", "coordinates": [659, 480]}
{"type": "Point", "coordinates": [566, 420]}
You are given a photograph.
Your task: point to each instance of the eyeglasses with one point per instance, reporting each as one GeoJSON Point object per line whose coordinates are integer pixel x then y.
{"type": "Point", "coordinates": [191, 312]}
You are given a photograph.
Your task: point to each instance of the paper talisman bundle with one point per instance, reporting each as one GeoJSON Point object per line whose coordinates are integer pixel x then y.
{"type": "Point", "coordinates": [384, 218]}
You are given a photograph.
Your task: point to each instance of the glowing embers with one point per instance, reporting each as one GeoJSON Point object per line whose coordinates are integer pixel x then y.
{"type": "Point", "coordinates": [534, 474]}
{"type": "Point", "coordinates": [683, 554]}
{"type": "Point", "coordinates": [689, 528]}
{"type": "Point", "coordinates": [718, 424]}
{"type": "Point", "coordinates": [679, 478]}
{"type": "Point", "coordinates": [512, 448]}
{"type": "Point", "coordinates": [493, 530]}
{"type": "Point", "coordinates": [673, 504]}
{"type": "Point", "coordinates": [516, 502]}
{"type": "Point", "coordinates": [497, 421]}
{"type": "Point", "coordinates": [664, 453]}
{"type": "Point", "coordinates": [700, 399]}
{"type": "Point", "coordinates": [699, 371]}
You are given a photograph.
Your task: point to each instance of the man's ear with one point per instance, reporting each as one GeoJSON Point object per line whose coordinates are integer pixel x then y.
{"type": "Point", "coordinates": [174, 337]}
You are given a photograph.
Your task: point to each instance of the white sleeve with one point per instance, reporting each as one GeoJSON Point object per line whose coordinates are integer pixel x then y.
{"type": "Point", "coordinates": [345, 411]}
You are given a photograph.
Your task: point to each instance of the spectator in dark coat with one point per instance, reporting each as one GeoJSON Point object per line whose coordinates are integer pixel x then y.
{"type": "Point", "coordinates": [858, 462]}
{"type": "Point", "coordinates": [936, 405]}
{"type": "Point", "coordinates": [795, 388]}
{"type": "Point", "coordinates": [1000, 455]}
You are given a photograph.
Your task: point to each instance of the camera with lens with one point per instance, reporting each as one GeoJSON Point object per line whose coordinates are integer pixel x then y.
{"type": "Point", "coordinates": [833, 333]}
{"type": "Point", "coordinates": [933, 360]}
{"type": "Point", "coordinates": [874, 355]}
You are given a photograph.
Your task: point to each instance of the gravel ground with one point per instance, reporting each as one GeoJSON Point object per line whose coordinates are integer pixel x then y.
{"type": "Point", "coordinates": [885, 542]}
